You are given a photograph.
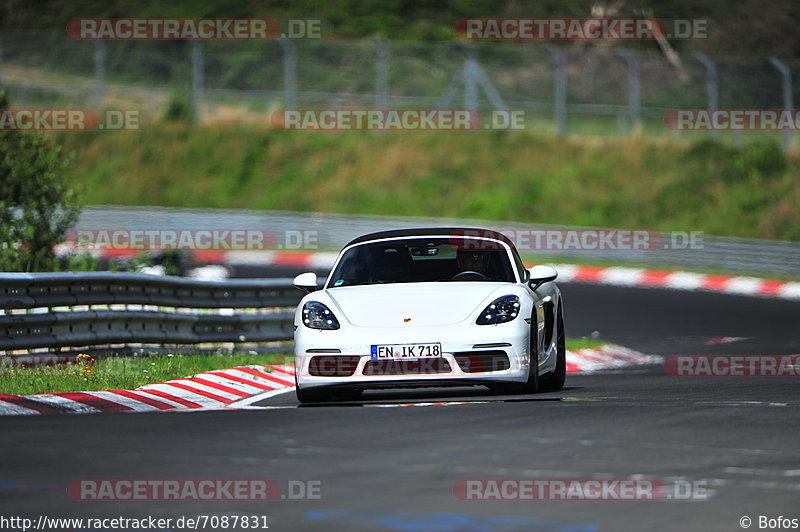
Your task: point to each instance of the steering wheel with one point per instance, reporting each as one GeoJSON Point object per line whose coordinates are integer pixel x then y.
{"type": "Point", "coordinates": [469, 275]}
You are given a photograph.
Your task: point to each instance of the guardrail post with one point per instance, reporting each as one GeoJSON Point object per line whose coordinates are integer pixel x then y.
{"type": "Point", "coordinates": [634, 91]}
{"type": "Point", "coordinates": [788, 104]}
{"type": "Point", "coordinates": [712, 86]}
{"type": "Point", "coordinates": [197, 80]}
{"type": "Point", "coordinates": [289, 73]}
{"type": "Point", "coordinates": [560, 90]}
{"type": "Point", "coordinates": [99, 72]}
{"type": "Point", "coordinates": [381, 74]}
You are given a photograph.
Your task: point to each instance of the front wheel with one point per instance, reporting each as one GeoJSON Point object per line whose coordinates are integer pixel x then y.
{"type": "Point", "coordinates": [554, 381]}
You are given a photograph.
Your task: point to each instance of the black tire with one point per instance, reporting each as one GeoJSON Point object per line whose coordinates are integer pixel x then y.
{"type": "Point", "coordinates": [553, 382]}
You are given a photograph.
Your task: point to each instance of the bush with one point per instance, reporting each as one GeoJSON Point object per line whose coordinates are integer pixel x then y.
{"type": "Point", "coordinates": [178, 110]}
{"type": "Point", "coordinates": [37, 204]}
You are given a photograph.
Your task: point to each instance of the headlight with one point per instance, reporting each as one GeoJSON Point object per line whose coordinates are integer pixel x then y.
{"type": "Point", "coordinates": [318, 316]}
{"type": "Point", "coordinates": [501, 310]}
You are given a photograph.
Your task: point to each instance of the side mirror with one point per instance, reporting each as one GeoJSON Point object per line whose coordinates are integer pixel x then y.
{"type": "Point", "coordinates": [306, 282]}
{"type": "Point", "coordinates": [541, 274]}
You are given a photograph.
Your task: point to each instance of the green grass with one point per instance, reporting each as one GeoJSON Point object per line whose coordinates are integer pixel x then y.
{"type": "Point", "coordinates": [663, 185]}
{"type": "Point", "coordinates": [574, 344]}
{"type": "Point", "coordinates": [119, 373]}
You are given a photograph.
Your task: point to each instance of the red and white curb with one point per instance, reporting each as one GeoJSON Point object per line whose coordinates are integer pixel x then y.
{"type": "Point", "coordinates": [677, 280]}
{"type": "Point", "coordinates": [210, 390]}
{"type": "Point", "coordinates": [591, 359]}
{"type": "Point", "coordinates": [241, 386]}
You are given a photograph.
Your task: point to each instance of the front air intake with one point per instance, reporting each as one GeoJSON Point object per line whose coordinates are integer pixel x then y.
{"type": "Point", "coordinates": [482, 361]}
{"type": "Point", "coordinates": [333, 366]}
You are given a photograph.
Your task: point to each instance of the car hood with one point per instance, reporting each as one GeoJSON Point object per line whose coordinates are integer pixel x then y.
{"type": "Point", "coordinates": [425, 304]}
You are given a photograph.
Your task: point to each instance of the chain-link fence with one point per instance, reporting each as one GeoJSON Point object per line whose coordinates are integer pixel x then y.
{"type": "Point", "coordinates": [577, 89]}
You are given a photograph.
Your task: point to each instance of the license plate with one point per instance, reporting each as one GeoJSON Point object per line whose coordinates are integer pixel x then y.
{"type": "Point", "coordinates": [406, 351]}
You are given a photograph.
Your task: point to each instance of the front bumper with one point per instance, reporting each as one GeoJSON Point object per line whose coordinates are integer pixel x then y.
{"type": "Point", "coordinates": [354, 347]}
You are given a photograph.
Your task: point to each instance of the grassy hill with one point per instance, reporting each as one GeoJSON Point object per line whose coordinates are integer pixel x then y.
{"type": "Point", "coordinates": [752, 191]}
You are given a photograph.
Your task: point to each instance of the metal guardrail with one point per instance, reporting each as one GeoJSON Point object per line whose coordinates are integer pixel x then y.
{"type": "Point", "coordinates": [46, 310]}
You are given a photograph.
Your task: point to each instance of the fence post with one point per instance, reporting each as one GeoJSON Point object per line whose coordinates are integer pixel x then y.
{"type": "Point", "coordinates": [470, 78]}
{"type": "Point", "coordinates": [289, 73]}
{"type": "Point", "coordinates": [712, 86]}
{"type": "Point", "coordinates": [99, 72]}
{"type": "Point", "coordinates": [560, 90]}
{"type": "Point", "coordinates": [381, 74]}
{"type": "Point", "coordinates": [197, 80]}
{"type": "Point", "coordinates": [634, 91]}
{"type": "Point", "coordinates": [473, 77]}
{"type": "Point", "coordinates": [788, 104]}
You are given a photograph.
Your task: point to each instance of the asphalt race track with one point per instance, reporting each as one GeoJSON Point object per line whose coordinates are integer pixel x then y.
{"type": "Point", "coordinates": [728, 446]}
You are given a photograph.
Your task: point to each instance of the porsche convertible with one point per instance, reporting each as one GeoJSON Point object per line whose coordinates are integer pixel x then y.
{"type": "Point", "coordinates": [429, 307]}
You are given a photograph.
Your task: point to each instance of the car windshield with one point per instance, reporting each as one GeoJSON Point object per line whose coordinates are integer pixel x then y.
{"type": "Point", "coordinates": [414, 260]}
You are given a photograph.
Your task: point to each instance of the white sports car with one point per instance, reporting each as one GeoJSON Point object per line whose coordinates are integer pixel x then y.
{"type": "Point", "coordinates": [429, 307]}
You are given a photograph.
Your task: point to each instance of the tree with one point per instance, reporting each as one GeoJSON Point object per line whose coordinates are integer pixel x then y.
{"type": "Point", "coordinates": [37, 203]}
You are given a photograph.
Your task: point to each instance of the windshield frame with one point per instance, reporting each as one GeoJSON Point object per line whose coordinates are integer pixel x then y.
{"type": "Point", "coordinates": [509, 254]}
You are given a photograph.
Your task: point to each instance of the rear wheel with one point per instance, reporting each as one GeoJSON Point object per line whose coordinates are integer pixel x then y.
{"type": "Point", "coordinates": [554, 381]}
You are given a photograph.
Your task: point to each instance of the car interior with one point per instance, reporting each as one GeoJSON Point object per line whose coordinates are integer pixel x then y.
{"type": "Point", "coordinates": [414, 260]}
